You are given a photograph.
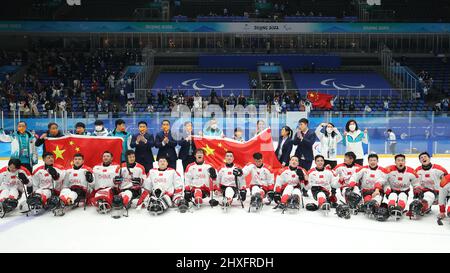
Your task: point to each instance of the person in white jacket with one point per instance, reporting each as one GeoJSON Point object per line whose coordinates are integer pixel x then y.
{"type": "Point", "coordinates": [329, 139]}
{"type": "Point", "coordinates": [354, 139]}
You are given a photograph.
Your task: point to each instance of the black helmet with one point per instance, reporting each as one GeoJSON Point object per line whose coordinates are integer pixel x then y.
{"type": "Point", "coordinates": [382, 213]}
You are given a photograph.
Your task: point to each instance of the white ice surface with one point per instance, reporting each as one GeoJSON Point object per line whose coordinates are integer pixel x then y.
{"type": "Point", "coordinates": [212, 230]}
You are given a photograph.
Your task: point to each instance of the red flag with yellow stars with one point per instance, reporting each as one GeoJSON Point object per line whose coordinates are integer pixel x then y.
{"type": "Point", "coordinates": [216, 147]}
{"type": "Point", "coordinates": [91, 147]}
{"type": "Point", "coordinates": [320, 100]}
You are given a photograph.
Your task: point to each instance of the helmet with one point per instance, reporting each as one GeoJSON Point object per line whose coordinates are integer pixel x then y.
{"type": "Point", "coordinates": [382, 213]}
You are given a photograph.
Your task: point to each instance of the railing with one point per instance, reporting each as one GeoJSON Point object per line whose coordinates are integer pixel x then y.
{"type": "Point", "coordinates": [142, 80]}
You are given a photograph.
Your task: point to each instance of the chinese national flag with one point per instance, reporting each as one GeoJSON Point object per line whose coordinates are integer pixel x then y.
{"type": "Point", "coordinates": [320, 100]}
{"type": "Point", "coordinates": [90, 147]}
{"type": "Point", "coordinates": [216, 147]}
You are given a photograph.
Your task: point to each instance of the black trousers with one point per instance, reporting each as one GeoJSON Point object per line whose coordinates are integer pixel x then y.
{"type": "Point", "coordinates": [305, 164]}
{"type": "Point", "coordinates": [332, 163]}
{"type": "Point", "coordinates": [186, 161]}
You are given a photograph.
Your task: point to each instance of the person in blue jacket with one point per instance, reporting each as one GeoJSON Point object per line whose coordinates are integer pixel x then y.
{"type": "Point", "coordinates": [166, 144]}
{"type": "Point", "coordinates": [143, 143]}
{"type": "Point", "coordinates": [120, 131]}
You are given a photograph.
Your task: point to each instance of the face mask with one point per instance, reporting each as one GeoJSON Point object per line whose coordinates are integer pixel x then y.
{"type": "Point", "coordinates": [352, 127]}
{"type": "Point", "coordinates": [98, 128]}
{"type": "Point", "coordinates": [329, 130]}
{"type": "Point", "coordinates": [214, 126]}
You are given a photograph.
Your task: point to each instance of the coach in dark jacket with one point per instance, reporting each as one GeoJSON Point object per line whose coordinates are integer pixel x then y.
{"type": "Point", "coordinates": [143, 143]}
{"type": "Point", "coordinates": [284, 148]}
{"type": "Point", "coordinates": [186, 153]}
{"type": "Point", "coordinates": [166, 145]}
{"type": "Point", "coordinates": [304, 139]}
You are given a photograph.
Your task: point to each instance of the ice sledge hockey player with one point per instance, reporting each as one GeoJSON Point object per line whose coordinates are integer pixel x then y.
{"type": "Point", "coordinates": [163, 188]}
{"type": "Point", "coordinates": [47, 184]}
{"type": "Point", "coordinates": [133, 175]}
{"type": "Point", "coordinates": [288, 186]}
{"type": "Point", "coordinates": [349, 190]}
{"type": "Point", "coordinates": [75, 185]}
{"type": "Point", "coordinates": [12, 180]}
{"type": "Point", "coordinates": [198, 180]}
{"type": "Point", "coordinates": [321, 180]}
{"type": "Point", "coordinates": [106, 181]}
{"type": "Point", "coordinates": [231, 182]}
{"type": "Point", "coordinates": [262, 181]}
{"type": "Point", "coordinates": [430, 176]}
{"type": "Point", "coordinates": [371, 180]}
{"type": "Point", "coordinates": [444, 196]}
{"type": "Point", "coordinates": [399, 180]}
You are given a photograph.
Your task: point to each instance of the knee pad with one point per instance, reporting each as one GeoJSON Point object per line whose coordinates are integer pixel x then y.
{"type": "Point", "coordinates": [255, 189]}
{"type": "Point", "coordinates": [296, 192]}
{"type": "Point", "coordinates": [288, 190]}
{"type": "Point", "coordinates": [429, 197]}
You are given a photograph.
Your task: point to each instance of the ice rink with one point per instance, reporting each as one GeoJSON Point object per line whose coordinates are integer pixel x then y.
{"type": "Point", "coordinates": [211, 230]}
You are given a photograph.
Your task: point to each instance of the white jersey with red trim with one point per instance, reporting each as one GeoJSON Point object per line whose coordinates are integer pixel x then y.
{"type": "Point", "coordinates": [77, 177]}
{"type": "Point", "coordinates": [344, 172]}
{"type": "Point", "coordinates": [325, 178]}
{"type": "Point", "coordinates": [260, 176]}
{"type": "Point", "coordinates": [43, 180]}
{"type": "Point", "coordinates": [369, 179]}
{"type": "Point", "coordinates": [10, 180]}
{"type": "Point", "coordinates": [401, 181]}
{"type": "Point", "coordinates": [432, 177]}
{"type": "Point", "coordinates": [197, 176]}
{"type": "Point", "coordinates": [104, 176]}
{"type": "Point", "coordinates": [136, 171]}
{"type": "Point", "coordinates": [444, 192]}
{"type": "Point", "coordinates": [168, 181]}
{"type": "Point", "coordinates": [289, 177]}
{"type": "Point", "coordinates": [225, 177]}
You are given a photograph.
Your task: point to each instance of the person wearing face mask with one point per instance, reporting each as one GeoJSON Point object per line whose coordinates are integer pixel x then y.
{"type": "Point", "coordinates": [120, 132]}
{"type": "Point", "coordinates": [186, 153]}
{"type": "Point", "coordinates": [99, 129]}
{"type": "Point", "coordinates": [166, 144]}
{"type": "Point", "coordinates": [143, 143]}
{"type": "Point", "coordinates": [329, 139]}
{"type": "Point", "coordinates": [52, 132]}
{"type": "Point", "coordinates": [354, 139]}
{"type": "Point", "coordinates": [22, 145]}
{"type": "Point", "coordinates": [80, 129]}
{"type": "Point", "coordinates": [213, 129]}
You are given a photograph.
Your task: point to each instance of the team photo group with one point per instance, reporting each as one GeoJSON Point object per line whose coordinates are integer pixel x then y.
{"type": "Point", "coordinates": [126, 175]}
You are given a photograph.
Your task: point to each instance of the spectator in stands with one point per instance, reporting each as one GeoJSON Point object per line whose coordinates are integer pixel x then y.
{"type": "Point", "coordinates": [213, 129]}
{"type": "Point", "coordinates": [166, 144]}
{"type": "Point", "coordinates": [150, 109]}
{"type": "Point", "coordinates": [120, 131]}
{"type": "Point", "coordinates": [392, 141]}
{"type": "Point", "coordinates": [22, 145]}
{"type": "Point", "coordinates": [386, 105]}
{"type": "Point", "coordinates": [143, 142]}
{"type": "Point", "coordinates": [304, 139]}
{"type": "Point", "coordinates": [367, 108]}
{"type": "Point", "coordinates": [129, 107]}
{"type": "Point", "coordinates": [354, 140]}
{"type": "Point", "coordinates": [99, 129]}
{"type": "Point", "coordinates": [284, 148]}
{"type": "Point", "coordinates": [186, 153]}
{"type": "Point", "coordinates": [445, 104]}
{"type": "Point", "coordinates": [329, 139]}
{"type": "Point", "coordinates": [33, 107]}
{"type": "Point", "coordinates": [52, 132]}
{"type": "Point", "coordinates": [351, 107]}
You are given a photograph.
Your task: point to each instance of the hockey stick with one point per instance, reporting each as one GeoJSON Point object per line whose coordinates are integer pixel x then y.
{"type": "Point", "coordinates": [237, 187]}
{"type": "Point", "coordinates": [26, 198]}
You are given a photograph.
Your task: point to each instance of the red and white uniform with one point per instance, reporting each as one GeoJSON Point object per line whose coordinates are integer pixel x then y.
{"type": "Point", "coordinates": [197, 179]}
{"type": "Point", "coordinates": [226, 181]}
{"type": "Point", "coordinates": [262, 180]}
{"type": "Point", "coordinates": [345, 172]}
{"type": "Point", "coordinates": [10, 184]}
{"type": "Point", "coordinates": [43, 182]}
{"type": "Point", "coordinates": [168, 181]}
{"type": "Point", "coordinates": [289, 183]}
{"type": "Point", "coordinates": [430, 181]}
{"type": "Point", "coordinates": [104, 182]}
{"type": "Point", "coordinates": [128, 190]}
{"type": "Point", "coordinates": [320, 182]}
{"type": "Point", "coordinates": [75, 178]}
{"type": "Point", "coordinates": [369, 180]}
{"type": "Point", "coordinates": [444, 194]}
{"type": "Point", "coordinates": [398, 185]}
